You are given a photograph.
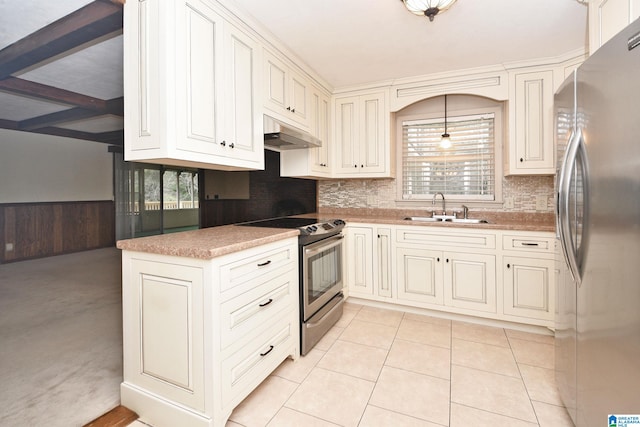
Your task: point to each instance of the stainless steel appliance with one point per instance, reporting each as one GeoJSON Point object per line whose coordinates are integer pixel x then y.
{"type": "Point", "coordinates": [597, 114]}
{"type": "Point", "coordinates": [320, 269]}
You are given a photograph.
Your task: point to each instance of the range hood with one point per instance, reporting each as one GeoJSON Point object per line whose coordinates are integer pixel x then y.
{"type": "Point", "coordinates": [280, 136]}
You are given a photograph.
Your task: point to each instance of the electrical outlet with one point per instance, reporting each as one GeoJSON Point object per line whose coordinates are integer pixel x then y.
{"type": "Point", "coordinates": [8, 247]}
{"type": "Point", "coordinates": [508, 203]}
{"type": "Point", "coordinates": [541, 203]}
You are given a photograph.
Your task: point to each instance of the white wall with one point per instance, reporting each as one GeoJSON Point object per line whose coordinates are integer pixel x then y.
{"type": "Point", "coordinates": [43, 168]}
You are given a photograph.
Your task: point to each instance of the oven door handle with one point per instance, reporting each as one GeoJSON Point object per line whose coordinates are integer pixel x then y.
{"type": "Point", "coordinates": [323, 245]}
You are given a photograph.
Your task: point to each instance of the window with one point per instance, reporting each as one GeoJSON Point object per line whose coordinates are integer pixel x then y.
{"type": "Point", "coordinates": [469, 170]}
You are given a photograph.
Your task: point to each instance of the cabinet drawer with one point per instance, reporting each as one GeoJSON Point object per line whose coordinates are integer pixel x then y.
{"type": "Point", "coordinates": [244, 370]}
{"type": "Point", "coordinates": [252, 310]}
{"type": "Point", "coordinates": [446, 237]}
{"type": "Point", "coordinates": [261, 264]}
{"type": "Point", "coordinates": [527, 243]}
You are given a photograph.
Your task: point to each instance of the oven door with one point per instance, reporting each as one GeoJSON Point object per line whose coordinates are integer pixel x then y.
{"type": "Point", "coordinates": [321, 273]}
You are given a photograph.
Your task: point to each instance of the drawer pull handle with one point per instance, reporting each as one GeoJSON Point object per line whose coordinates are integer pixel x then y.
{"type": "Point", "coordinates": [266, 352]}
{"type": "Point", "coordinates": [266, 303]}
{"type": "Point", "coordinates": [264, 263]}
{"type": "Point", "coordinates": [529, 244]}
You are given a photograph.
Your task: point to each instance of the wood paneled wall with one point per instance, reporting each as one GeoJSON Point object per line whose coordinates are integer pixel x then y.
{"type": "Point", "coordinates": [43, 229]}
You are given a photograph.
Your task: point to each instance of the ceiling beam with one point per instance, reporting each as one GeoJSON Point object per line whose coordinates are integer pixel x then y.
{"type": "Point", "coordinates": [113, 106]}
{"type": "Point", "coordinates": [75, 134]}
{"type": "Point", "coordinates": [50, 93]}
{"type": "Point", "coordinates": [88, 23]}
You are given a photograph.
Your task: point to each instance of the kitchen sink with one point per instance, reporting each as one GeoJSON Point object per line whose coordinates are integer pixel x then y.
{"type": "Point", "coordinates": [467, 221]}
{"type": "Point", "coordinates": [423, 219]}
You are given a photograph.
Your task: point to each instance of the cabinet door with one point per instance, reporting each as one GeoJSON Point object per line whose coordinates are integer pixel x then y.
{"type": "Point", "coordinates": [299, 98]}
{"type": "Point", "coordinates": [199, 88]}
{"type": "Point", "coordinates": [277, 84]}
{"type": "Point", "coordinates": [243, 130]}
{"type": "Point", "coordinates": [372, 133]}
{"type": "Point", "coordinates": [531, 148]}
{"type": "Point", "coordinates": [319, 122]}
{"type": "Point", "coordinates": [347, 135]}
{"type": "Point", "coordinates": [527, 287]}
{"type": "Point", "coordinates": [470, 281]}
{"type": "Point", "coordinates": [383, 261]}
{"type": "Point", "coordinates": [419, 275]}
{"type": "Point", "coordinates": [359, 260]}
{"type": "Point", "coordinates": [607, 18]}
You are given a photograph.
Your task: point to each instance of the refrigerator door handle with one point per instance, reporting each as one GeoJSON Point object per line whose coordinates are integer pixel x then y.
{"type": "Point", "coordinates": [564, 187]}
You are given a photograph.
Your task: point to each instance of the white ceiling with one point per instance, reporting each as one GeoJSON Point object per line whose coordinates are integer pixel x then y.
{"type": "Point", "coordinates": [350, 42]}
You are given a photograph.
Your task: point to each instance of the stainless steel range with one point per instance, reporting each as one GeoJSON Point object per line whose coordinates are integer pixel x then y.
{"type": "Point", "coordinates": [320, 266]}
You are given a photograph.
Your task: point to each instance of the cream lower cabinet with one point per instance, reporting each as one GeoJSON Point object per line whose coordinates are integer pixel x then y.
{"type": "Point", "coordinates": [191, 87]}
{"type": "Point", "coordinates": [368, 261]}
{"type": "Point", "coordinates": [452, 279]}
{"type": "Point", "coordinates": [492, 274]}
{"type": "Point", "coordinates": [200, 335]}
{"type": "Point", "coordinates": [528, 271]}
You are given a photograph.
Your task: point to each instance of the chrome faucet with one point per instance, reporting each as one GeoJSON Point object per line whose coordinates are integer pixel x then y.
{"type": "Point", "coordinates": [433, 202]}
{"type": "Point", "coordinates": [465, 211]}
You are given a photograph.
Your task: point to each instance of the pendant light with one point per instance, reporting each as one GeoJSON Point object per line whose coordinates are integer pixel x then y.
{"type": "Point", "coordinates": [428, 8]}
{"type": "Point", "coordinates": [445, 142]}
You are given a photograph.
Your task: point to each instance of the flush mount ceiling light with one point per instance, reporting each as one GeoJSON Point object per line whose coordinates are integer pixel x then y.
{"type": "Point", "coordinates": [445, 142]}
{"type": "Point", "coordinates": [429, 8]}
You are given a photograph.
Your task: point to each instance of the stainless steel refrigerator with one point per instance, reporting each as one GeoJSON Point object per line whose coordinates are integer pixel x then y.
{"type": "Point", "coordinates": [597, 121]}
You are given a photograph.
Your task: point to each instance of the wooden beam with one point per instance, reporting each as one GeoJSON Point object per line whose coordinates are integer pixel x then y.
{"type": "Point", "coordinates": [113, 106]}
{"type": "Point", "coordinates": [50, 93]}
{"type": "Point", "coordinates": [75, 134]}
{"type": "Point", "coordinates": [88, 23]}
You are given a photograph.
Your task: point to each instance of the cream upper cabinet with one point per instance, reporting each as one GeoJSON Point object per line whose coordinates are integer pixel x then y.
{"type": "Point", "coordinates": [287, 92]}
{"type": "Point", "coordinates": [362, 140]}
{"type": "Point", "coordinates": [607, 18]}
{"type": "Point", "coordinates": [530, 150]}
{"type": "Point", "coordinates": [312, 162]}
{"type": "Point", "coordinates": [190, 87]}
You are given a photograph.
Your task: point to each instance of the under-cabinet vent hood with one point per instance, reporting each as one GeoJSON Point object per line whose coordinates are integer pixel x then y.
{"type": "Point", "coordinates": [279, 136]}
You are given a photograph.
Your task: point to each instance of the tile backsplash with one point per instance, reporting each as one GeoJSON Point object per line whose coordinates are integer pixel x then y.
{"type": "Point", "coordinates": [381, 193]}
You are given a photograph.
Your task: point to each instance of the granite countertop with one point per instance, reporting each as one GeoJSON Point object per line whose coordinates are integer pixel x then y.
{"type": "Point", "coordinates": [206, 243]}
{"type": "Point", "coordinates": [517, 221]}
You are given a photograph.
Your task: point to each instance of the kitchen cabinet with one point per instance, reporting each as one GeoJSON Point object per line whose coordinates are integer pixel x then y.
{"type": "Point", "coordinates": [461, 280]}
{"type": "Point", "coordinates": [362, 139]}
{"type": "Point", "coordinates": [529, 277]}
{"type": "Point", "coordinates": [368, 261]}
{"type": "Point", "coordinates": [287, 92]}
{"type": "Point", "coordinates": [459, 265]}
{"type": "Point", "coordinates": [200, 335]}
{"type": "Point", "coordinates": [607, 18]}
{"type": "Point", "coordinates": [312, 162]}
{"type": "Point", "coordinates": [530, 149]}
{"type": "Point", "coordinates": [190, 87]}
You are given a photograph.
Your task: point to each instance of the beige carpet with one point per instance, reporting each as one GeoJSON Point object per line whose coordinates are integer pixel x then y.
{"type": "Point", "coordinates": [60, 339]}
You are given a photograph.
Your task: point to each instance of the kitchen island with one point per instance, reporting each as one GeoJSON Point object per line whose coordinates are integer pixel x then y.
{"type": "Point", "coordinates": [207, 316]}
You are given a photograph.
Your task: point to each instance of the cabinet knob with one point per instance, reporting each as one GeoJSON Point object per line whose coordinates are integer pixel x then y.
{"type": "Point", "coordinates": [438, 259]}
{"type": "Point", "coordinates": [288, 108]}
{"type": "Point", "coordinates": [223, 143]}
{"type": "Point", "coordinates": [232, 145]}
{"type": "Point", "coordinates": [355, 166]}
{"type": "Point", "coordinates": [508, 265]}
{"type": "Point", "coordinates": [361, 166]}
{"type": "Point", "coordinates": [293, 110]}
{"type": "Point", "coordinates": [521, 159]}
{"type": "Point", "coordinates": [447, 259]}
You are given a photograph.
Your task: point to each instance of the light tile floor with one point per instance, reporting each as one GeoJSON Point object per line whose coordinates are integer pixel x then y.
{"type": "Point", "coordinates": [381, 368]}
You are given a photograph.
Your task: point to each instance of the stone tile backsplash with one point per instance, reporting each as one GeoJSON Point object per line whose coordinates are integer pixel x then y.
{"type": "Point", "coordinates": [381, 193]}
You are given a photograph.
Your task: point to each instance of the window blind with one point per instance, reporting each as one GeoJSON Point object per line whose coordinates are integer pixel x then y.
{"type": "Point", "coordinates": [467, 168]}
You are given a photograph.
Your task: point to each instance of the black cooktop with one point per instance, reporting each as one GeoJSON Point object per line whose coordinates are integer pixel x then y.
{"type": "Point", "coordinates": [282, 222]}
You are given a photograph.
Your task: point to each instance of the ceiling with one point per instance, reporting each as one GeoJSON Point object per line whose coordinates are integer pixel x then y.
{"type": "Point", "coordinates": [61, 61]}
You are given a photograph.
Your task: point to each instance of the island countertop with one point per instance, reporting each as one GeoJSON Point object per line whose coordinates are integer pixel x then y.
{"type": "Point", "coordinates": [206, 243]}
